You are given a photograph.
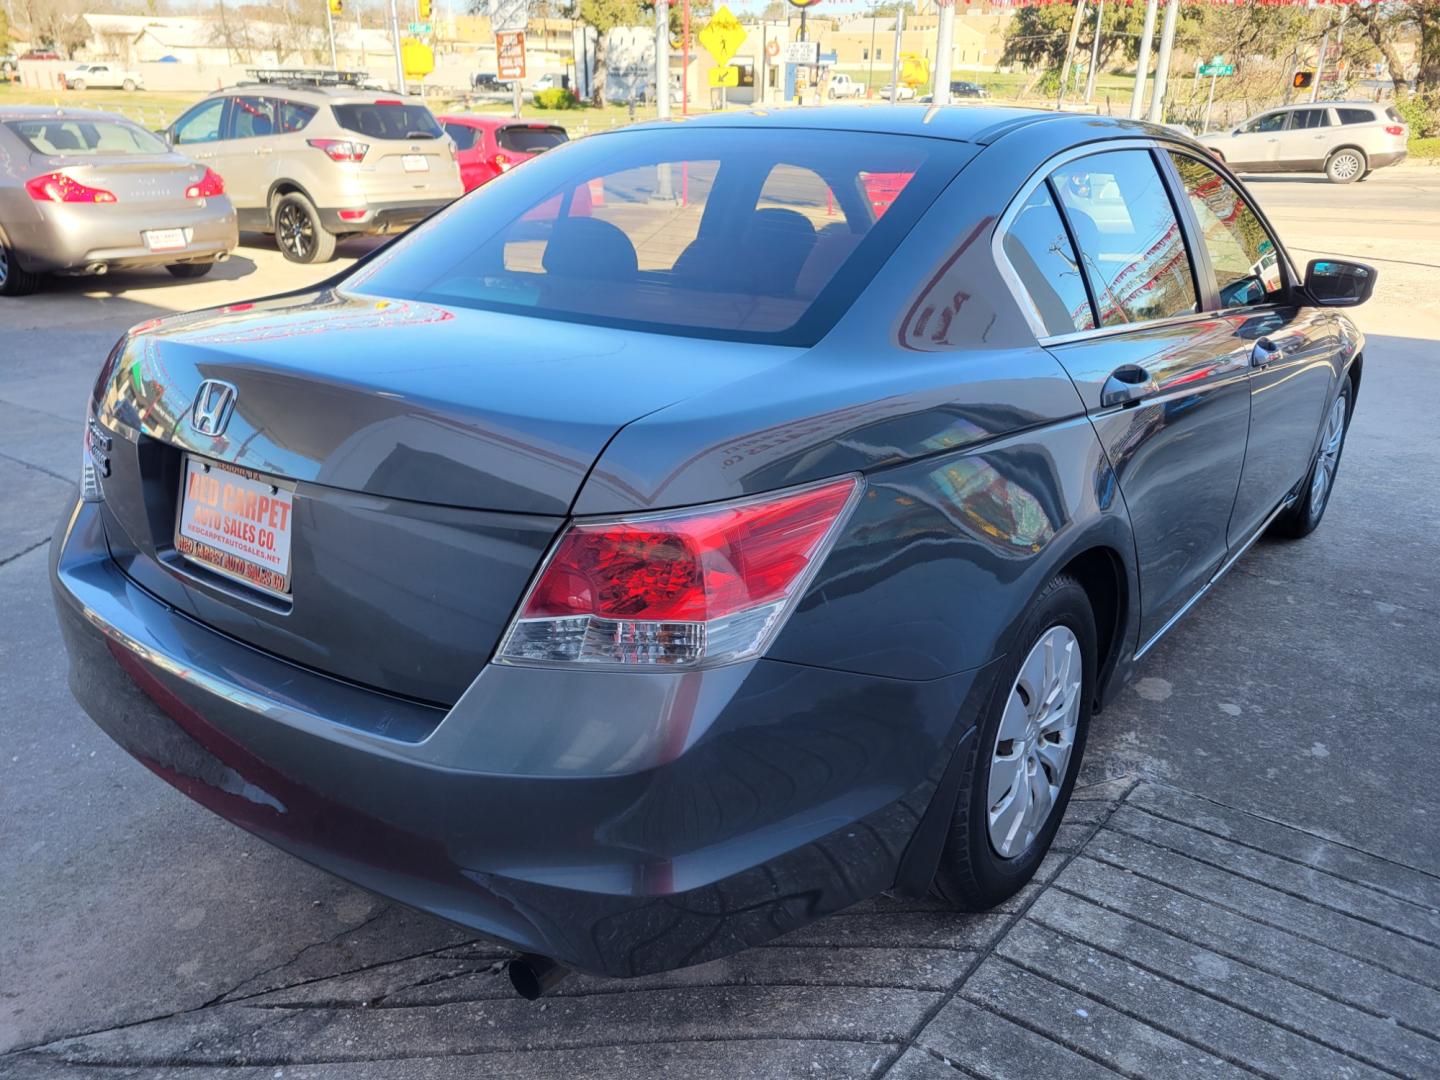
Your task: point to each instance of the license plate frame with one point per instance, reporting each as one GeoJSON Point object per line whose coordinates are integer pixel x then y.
{"type": "Point", "coordinates": [166, 239]}
{"type": "Point", "coordinates": [415, 163]}
{"type": "Point", "coordinates": [200, 545]}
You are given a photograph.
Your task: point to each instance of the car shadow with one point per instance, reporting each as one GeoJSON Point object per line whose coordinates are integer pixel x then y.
{"type": "Point", "coordinates": [117, 282]}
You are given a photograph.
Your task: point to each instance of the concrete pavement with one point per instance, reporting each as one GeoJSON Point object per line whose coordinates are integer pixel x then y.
{"type": "Point", "coordinates": [1248, 881]}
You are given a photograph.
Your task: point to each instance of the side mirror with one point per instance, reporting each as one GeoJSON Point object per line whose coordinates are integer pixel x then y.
{"type": "Point", "coordinates": [1336, 283]}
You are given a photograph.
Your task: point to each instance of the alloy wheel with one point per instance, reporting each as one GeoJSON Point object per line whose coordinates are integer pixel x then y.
{"type": "Point", "coordinates": [295, 230]}
{"type": "Point", "coordinates": [4, 266]}
{"type": "Point", "coordinates": [1031, 755]}
{"type": "Point", "coordinates": [1345, 166]}
{"type": "Point", "coordinates": [1329, 457]}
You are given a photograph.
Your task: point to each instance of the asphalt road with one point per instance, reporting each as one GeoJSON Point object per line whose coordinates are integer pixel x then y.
{"type": "Point", "coordinates": [1249, 879]}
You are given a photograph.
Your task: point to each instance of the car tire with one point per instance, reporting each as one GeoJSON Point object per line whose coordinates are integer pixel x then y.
{"type": "Point", "coordinates": [299, 232]}
{"type": "Point", "coordinates": [1345, 166]}
{"type": "Point", "coordinates": [76, 84]}
{"type": "Point", "coordinates": [185, 271]}
{"type": "Point", "coordinates": [1305, 515]}
{"type": "Point", "coordinates": [976, 870]}
{"type": "Point", "coordinates": [15, 280]}
{"type": "Point", "coordinates": [128, 85]}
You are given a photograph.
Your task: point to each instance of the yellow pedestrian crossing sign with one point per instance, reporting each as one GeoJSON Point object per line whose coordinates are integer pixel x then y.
{"type": "Point", "coordinates": [725, 76]}
{"type": "Point", "coordinates": [722, 37]}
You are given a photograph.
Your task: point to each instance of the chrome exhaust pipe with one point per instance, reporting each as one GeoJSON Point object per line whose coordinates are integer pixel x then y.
{"type": "Point", "coordinates": [224, 256]}
{"type": "Point", "coordinates": [535, 976]}
{"type": "Point", "coordinates": [97, 268]}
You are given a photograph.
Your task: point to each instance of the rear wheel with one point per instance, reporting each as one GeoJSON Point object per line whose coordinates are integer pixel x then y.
{"type": "Point", "coordinates": [190, 270]}
{"type": "Point", "coordinates": [1025, 755]}
{"type": "Point", "coordinates": [128, 84]}
{"type": "Point", "coordinates": [1303, 518]}
{"type": "Point", "coordinates": [301, 235]}
{"type": "Point", "coordinates": [1345, 166]}
{"type": "Point", "coordinates": [14, 279]}
{"type": "Point", "coordinates": [76, 84]}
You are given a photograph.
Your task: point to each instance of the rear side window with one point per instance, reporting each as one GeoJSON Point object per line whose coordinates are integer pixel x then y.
{"type": "Point", "coordinates": [1356, 116]}
{"type": "Point", "coordinates": [294, 115]}
{"type": "Point", "coordinates": [387, 120]}
{"type": "Point", "coordinates": [1310, 118]}
{"type": "Point", "coordinates": [85, 137]}
{"type": "Point", "coordinates": [1130, 242]}
{"type": "Point", "coordinates": [1042, 256]}
{"type": "Point", "coordinates": [251, 117]}
{"type": "Point", "coordinates": [1243, 255]}
{"type": "Point", "coordinates": [530, 140]}
{"type": "Point", "coordinates": [743, 234]}
{"type": "Point", "coordinates": [464, 135]}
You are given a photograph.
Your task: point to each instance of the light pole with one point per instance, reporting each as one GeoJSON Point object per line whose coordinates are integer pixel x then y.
{"type": "Point", "coordinates": [870, 79]}
{"type": "Point", "coordinates": [1094, 54]}
{"type": "Point", "coordinates": [395, 37]}
{"type": "Point", "coordinates": [662, 59]}
{"type": "Point", "coordinates": [1162, 65]}
{"type": "Point", "coordinates": [1142, 64]}
{"type": "Point", "coordinates": [895, 55]}
{"type": "Point", "coordinates": [944, 46]}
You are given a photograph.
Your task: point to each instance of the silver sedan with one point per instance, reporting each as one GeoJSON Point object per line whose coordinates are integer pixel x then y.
{"type": "Point", "coordinates": [86, 192]}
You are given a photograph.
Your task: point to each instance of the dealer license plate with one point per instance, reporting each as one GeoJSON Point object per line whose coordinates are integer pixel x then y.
{"type": "Point", "coordinates": [237, 523]}
{"type": "Point", "coordinates": [416, 163]}
{"type": "Point", "coordinates": [165, 239]}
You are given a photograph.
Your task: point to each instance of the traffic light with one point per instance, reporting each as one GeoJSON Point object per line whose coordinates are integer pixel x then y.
{"type": "Point", "coordinates": [424, 10]}
{"type": "Point", "coordinates": [336, 6]}
{"type": "Point", "coordinates": [1303, 80]}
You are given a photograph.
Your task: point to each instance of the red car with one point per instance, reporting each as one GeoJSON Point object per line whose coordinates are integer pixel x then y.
{"type": "Point", "coordinates": [490, 145]}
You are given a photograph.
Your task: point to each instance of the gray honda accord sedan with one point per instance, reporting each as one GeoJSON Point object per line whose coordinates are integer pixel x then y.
{"type": "Point", "coordinates": [707, 526]}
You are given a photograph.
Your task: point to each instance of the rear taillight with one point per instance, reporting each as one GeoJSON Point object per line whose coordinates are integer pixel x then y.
{"type": "Point", "coordinates": [341, 149]}
{"type": "Point", "coordinates": [689, 588]}
{"type": "Point", "coordinates": [1394, 129]}
{"type": "Point", "coordinates": [57, 187]}
{"type": "Point", "coordinates": [207, 187]}
{"type": "Point", "coordinates": [501, 162]}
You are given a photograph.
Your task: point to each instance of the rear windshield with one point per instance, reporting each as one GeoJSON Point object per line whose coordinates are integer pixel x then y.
{"type": "Point", "coordinates": [380, 120]}
{"type": "Point", "coordinates": [746, 234]}
{"type": "Point", "coordinates": [529, 140]}
{"type": "Point", "coordinates": [86, 137]}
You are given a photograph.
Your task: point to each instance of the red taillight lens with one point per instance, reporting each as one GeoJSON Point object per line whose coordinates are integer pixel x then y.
{"type": "Point", "coordinates": [691, 588]}
{"type": "Point", "coordinates": [207, 187]}
{"type": "Point", "coordinates": [501, 162]}
{"type": "Point", "coordinates": [341, 149]}
{"type": "Point", "coordinates": [1394, 129]}
{"type": "Point", "coordinates": [57, 187]}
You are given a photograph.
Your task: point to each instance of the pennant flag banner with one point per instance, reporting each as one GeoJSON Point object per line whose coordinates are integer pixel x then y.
{"type": "Point", "coordinates": [1211, 3]}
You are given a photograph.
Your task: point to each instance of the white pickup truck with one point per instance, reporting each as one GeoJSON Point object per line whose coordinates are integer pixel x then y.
{"type": "Point", "coordinates": [102, 76]}
{"type": "Point", "coordinates": [843, 86]}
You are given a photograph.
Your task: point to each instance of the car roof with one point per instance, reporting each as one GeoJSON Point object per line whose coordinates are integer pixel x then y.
{"type": "Point", "coordinates": [57, 112]}
{"type": "Point", "coordinates": [312, 94]}
{"type": "Point", "coordinates": [980, 124]}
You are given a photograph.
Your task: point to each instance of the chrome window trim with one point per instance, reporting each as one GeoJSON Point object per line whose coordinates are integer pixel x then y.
{"type": "Point", "coordinates": [1011, 277]}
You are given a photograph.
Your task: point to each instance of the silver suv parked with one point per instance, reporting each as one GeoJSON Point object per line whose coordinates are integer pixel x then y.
{"type": "Point", "coordinates": [314, 156]}
{"type": "Point", "coordinates": [1346, 140]}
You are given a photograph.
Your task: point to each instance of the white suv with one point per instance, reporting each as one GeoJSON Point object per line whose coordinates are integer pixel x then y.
{"type": "Point", "coordinates": [1346, 140]}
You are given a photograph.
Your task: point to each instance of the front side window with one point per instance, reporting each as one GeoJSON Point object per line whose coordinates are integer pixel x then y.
{"type": "Point", "coordinates": [745, 234]}
{"type": "Point", "coordinates": [251, 117]}
{"type": "Point", "coordinates": [1244, 256]}
{"type": "Point", "coordinates": [1042, 256]}
{"type": "Point", "coordinates": [200, 124]}
{"type": "Point", "coordinates": [1130, 241]}
{"type": "Point", "coordinates": [1310, 118]}
{"type": "Point", "coordinates": [1269, 122]}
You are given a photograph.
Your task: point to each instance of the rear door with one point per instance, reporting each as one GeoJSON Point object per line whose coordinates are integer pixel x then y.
{"type": "Point", "coordinates": [1291, 352]}
{"type": "Point", "coordinates": [245, 157]}
{"type": "Point", "coordinates": [1305, 141]}
{"type": "Point", "coordinates": [1161, 380]}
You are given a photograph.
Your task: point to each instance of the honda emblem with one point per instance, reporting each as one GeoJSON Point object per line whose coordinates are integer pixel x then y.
{"type": "Point", "coordinates": [213, 406]}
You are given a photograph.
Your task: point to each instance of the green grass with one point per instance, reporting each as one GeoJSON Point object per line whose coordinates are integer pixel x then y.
{"type": "Point", "coordinates": [151, 109]}
{"type": "Point", "coordinates": [1426, 149]}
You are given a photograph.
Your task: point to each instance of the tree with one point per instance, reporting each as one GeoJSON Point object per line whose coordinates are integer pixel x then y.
{"type": "Point", "coordinates": [604, 16]}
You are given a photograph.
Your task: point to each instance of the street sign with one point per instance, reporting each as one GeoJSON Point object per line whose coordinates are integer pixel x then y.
{"type": "Point", "coordinates": [417, 58]}
{"type": "Point", "coordinates": [802, 52]}
{"type": "Point", "coordinates": [1217, 69]}
{"type": "Point", "coordinates": [510, 55]}
{"type": "Point", "coordinates": [725, 76]}
{"type": "Point", "coordinates": [508, 15]}
{"type": "Point", "coordinates": [419, 28]}
{"type": "Point", "coordinates": [722, 37]}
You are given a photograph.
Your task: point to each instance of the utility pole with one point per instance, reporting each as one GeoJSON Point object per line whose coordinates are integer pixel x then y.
{"type": "Point", "coordinates": [1070, 51]}
{"type": "Point", "coordinates": [395, 39]}
{"type": "Point", "coordinates": [895, 56]}
{"type": "Point", "coordinates": [1142, 65]}
{"type": "Point", "coordinates": [1094, 54]}
{"type": "Point", "coordinates": [330, 28]}
{"type": "Point", "coordinates": [1162, 65]}
{"type": "Point", "coordinates": [1320, 63]}
{"type": "Point", "coordinates": [944, 46]}
{"type": "Point", "coordinates": [662, 59]}
{"type": "Point", "coordinates": [870, 79]}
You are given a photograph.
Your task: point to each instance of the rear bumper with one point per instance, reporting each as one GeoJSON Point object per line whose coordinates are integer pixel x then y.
{"type": "Point", "coordinates": [1380, 161]}
{"type": "Point", "coordinates": [622, 824]}
{"type": "Point", "coordinates": [381, 217]}
{"type": "Point", "coordinates": [73, 236]}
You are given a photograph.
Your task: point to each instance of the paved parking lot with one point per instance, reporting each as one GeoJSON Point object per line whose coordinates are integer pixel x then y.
{"type": "Point", "coordinates": [1248, 881]}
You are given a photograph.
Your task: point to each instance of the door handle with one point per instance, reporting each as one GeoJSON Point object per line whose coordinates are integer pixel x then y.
{"type": "Point", "coordinates": [1264, 353]}
{"type": "Point", "coordinates": [1126, 385]}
